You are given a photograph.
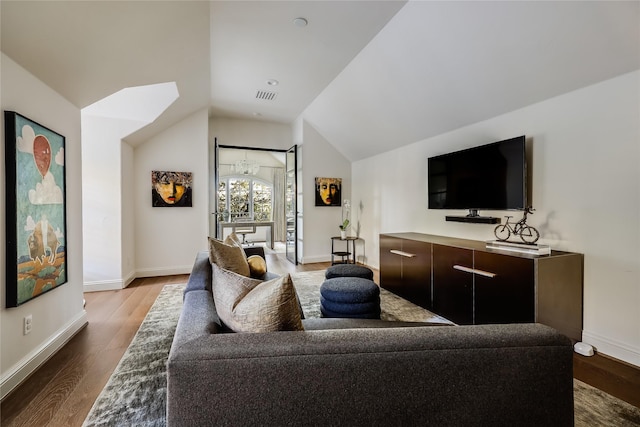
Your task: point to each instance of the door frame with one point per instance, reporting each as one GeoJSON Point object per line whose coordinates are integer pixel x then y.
{"type": "Point", "coordinates": [292, 257]}
{"type": "Point", "coordinates": [217, 182]}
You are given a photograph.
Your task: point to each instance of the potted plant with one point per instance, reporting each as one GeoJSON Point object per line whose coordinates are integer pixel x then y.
{"type": "Point", "coordinates": [343, 229]}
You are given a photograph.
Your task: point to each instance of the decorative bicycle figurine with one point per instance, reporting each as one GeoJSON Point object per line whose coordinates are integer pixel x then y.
{"type": "Point", "coordinates": [527, 233]}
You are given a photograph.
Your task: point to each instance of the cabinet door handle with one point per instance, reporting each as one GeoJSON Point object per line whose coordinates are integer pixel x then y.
{"type": "Point", "coordinates": [474, 271]}
{"type": "Point", "coordinates": [401, 253]}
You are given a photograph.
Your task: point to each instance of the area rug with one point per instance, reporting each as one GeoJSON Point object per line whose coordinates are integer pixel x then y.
{"type": "Point", "coordinates": [135, 395]}
{"type": "Point", "coordinates": [392, 307]}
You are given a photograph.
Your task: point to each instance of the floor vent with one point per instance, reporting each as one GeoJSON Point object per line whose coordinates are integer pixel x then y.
{"type": "Point", "coordinates": [266, 95]}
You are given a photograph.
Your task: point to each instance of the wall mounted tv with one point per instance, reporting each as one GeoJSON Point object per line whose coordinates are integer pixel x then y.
{"type": "Point", "coordinates": [487, 177]}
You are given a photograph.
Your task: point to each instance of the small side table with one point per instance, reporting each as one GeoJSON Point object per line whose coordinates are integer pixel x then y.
{"type": "Point", "coordinates": [348, 256]}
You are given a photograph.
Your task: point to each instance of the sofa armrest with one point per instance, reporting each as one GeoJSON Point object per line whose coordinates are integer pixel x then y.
{"type": "Point", "coordinates": [466, 375]}
{"type": "Point", "coordinates": [200, 277]}
{"type": "Point", "coordinates": [198, 319]}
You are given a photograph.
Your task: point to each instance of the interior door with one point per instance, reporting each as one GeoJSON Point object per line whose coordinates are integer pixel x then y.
{"type": "Point", "coordinates": [290, 206]}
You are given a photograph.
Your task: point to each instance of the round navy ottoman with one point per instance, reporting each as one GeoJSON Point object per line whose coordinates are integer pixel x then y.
{"type": "Point", "coordinates": [352, 297]}
{"type": "Point", "coordinates": [348, 270]}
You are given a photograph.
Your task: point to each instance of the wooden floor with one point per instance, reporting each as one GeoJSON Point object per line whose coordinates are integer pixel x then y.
{"type": "Point", "coordinates": [63, 390]}
{"type": "Point", "coordinates": [613, 376]}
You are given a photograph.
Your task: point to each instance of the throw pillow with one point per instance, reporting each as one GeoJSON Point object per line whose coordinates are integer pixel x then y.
{"type": "Point", "coordinates": [257, 266]}
{"type": "Point", "coordinates": [233, 239]}
{"type": "Point", "coordinates": [250, 305]}
{"type": "Point", "coordinates": [230, 257]}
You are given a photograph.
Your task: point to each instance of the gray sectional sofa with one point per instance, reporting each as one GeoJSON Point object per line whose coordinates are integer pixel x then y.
{"type": "Point", "coordinates": [347, 372]}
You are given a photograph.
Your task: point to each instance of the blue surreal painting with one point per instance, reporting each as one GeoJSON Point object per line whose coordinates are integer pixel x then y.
{"type": "Point", "coordinates": [36, 209]}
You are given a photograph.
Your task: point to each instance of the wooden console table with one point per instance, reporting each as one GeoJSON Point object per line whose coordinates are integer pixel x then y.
{"type": "Point", "coordinates": [468, 283]}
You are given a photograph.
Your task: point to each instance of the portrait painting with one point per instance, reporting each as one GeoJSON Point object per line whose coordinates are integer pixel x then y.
{"type": "Point", "coordinates": [171, 189]}
{"type": "Point", "coordinates": [36, 209]}
{"type": "Point", "coordinates": [328, 191]}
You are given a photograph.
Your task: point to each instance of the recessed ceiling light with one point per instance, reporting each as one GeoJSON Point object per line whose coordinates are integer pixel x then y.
{"type": "Point", "coordinates": [300, 22]}
{"type": "Point", "coordinates": [273, 82]}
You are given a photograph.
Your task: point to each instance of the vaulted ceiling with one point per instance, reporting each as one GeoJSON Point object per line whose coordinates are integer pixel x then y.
{"type": "Point", "coordinates": [368, 75]}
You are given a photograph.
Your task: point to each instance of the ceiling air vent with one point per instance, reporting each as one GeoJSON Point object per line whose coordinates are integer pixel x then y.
{"type": "Point", "coordinates": [266, 95]}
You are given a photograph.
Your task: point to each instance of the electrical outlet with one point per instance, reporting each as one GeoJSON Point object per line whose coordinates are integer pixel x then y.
{"type": "Point", "coordinates": [28, 323]}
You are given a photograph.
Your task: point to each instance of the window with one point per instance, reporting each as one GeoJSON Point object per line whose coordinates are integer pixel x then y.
{"type": "Point", "coordinates": [242, 197]}
{"type": "Point", "coordinates": [262, 201]}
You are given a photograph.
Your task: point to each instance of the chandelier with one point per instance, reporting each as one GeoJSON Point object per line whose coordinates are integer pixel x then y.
{"type": "Point", "coordinates": [246, 167]}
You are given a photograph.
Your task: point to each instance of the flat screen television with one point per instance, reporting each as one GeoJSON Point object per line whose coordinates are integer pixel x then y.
{"type": "Point", "coordinates": [487, 177]}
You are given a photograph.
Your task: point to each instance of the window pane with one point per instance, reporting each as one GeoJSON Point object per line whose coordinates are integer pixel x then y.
{"type": "Point", "coordinates": [222, 196]}
{"type": "Point", "coordinates": [262, 201]}
{"type": "Point", "coordinates": [238, 197]}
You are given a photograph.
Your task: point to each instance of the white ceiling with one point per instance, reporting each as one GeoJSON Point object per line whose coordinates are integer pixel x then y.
{"type": "Point", "coordinates": [438, 66]}
{"type": "Point", "coordinates": [369, 76]}
{"type": "Point", "coordinates": [254, 41]}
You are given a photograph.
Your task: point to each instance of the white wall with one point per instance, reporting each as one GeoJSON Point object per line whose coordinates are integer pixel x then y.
{"type": "Point", "coordinates": [321, 159]}
{"type": "Point", "coordinates": [128, 215]}
{"type": "Point", "coordinates": [108, 261]}
{"type": "Point", "coordinates": [58, 314]}
{"type": "Point", "coordinates": [167, 239]}
{"type": "Point", "coordinates": [251, 133]}
{"type": "Point", "coordinates": [586, 192]}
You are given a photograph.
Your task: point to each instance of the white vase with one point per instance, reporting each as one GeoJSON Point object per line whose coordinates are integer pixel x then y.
{"type": "Point", "coordinates": [343, 234]}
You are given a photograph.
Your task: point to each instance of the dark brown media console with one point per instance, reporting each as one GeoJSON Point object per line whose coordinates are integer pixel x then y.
{"type": "Point", "coordinates": [467, 283]}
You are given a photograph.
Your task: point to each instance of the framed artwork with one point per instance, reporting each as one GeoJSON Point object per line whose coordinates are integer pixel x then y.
{"type": "Point", "coordinates": [171, 189]}
{"type": "Point", "coordinates": [35, 209]}
{"type": "Point", "coordinates": [328, 191]}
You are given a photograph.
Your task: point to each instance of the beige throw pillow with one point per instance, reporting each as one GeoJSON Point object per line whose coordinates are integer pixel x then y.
{"type": "Point", "coordinates": [233, 239]}
{"type": "Point", "coordinates": [250, 305]}
{"type": "Point", "coordinates": [230, 257]}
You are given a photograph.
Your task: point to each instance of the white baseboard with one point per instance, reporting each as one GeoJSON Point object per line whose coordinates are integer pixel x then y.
{"type": "Point", "coordinates": [103, 285]}
{"type": "Point", "coordinates": [613, 348]}
{"type": "Point", "coordinates": [312, 259]}
{"type": "Point", "coordinates": [15, 375]}
{"type": "Point", "coordinates": [114, 285]}
{"type": "Point", "coordinates": [129, 278]}
{"type": "Point", "coordinates": [164, 271]}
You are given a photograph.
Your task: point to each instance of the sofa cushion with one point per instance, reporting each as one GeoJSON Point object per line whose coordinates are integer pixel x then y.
{"type": "Point", "coordinates": [200, 277]}
{"type": "Point", "coordinates": [228, 256]}
{"type": "Point", "coordinates": [257, 266]}
{"type": "Point", "coordinates": [249, 305]}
